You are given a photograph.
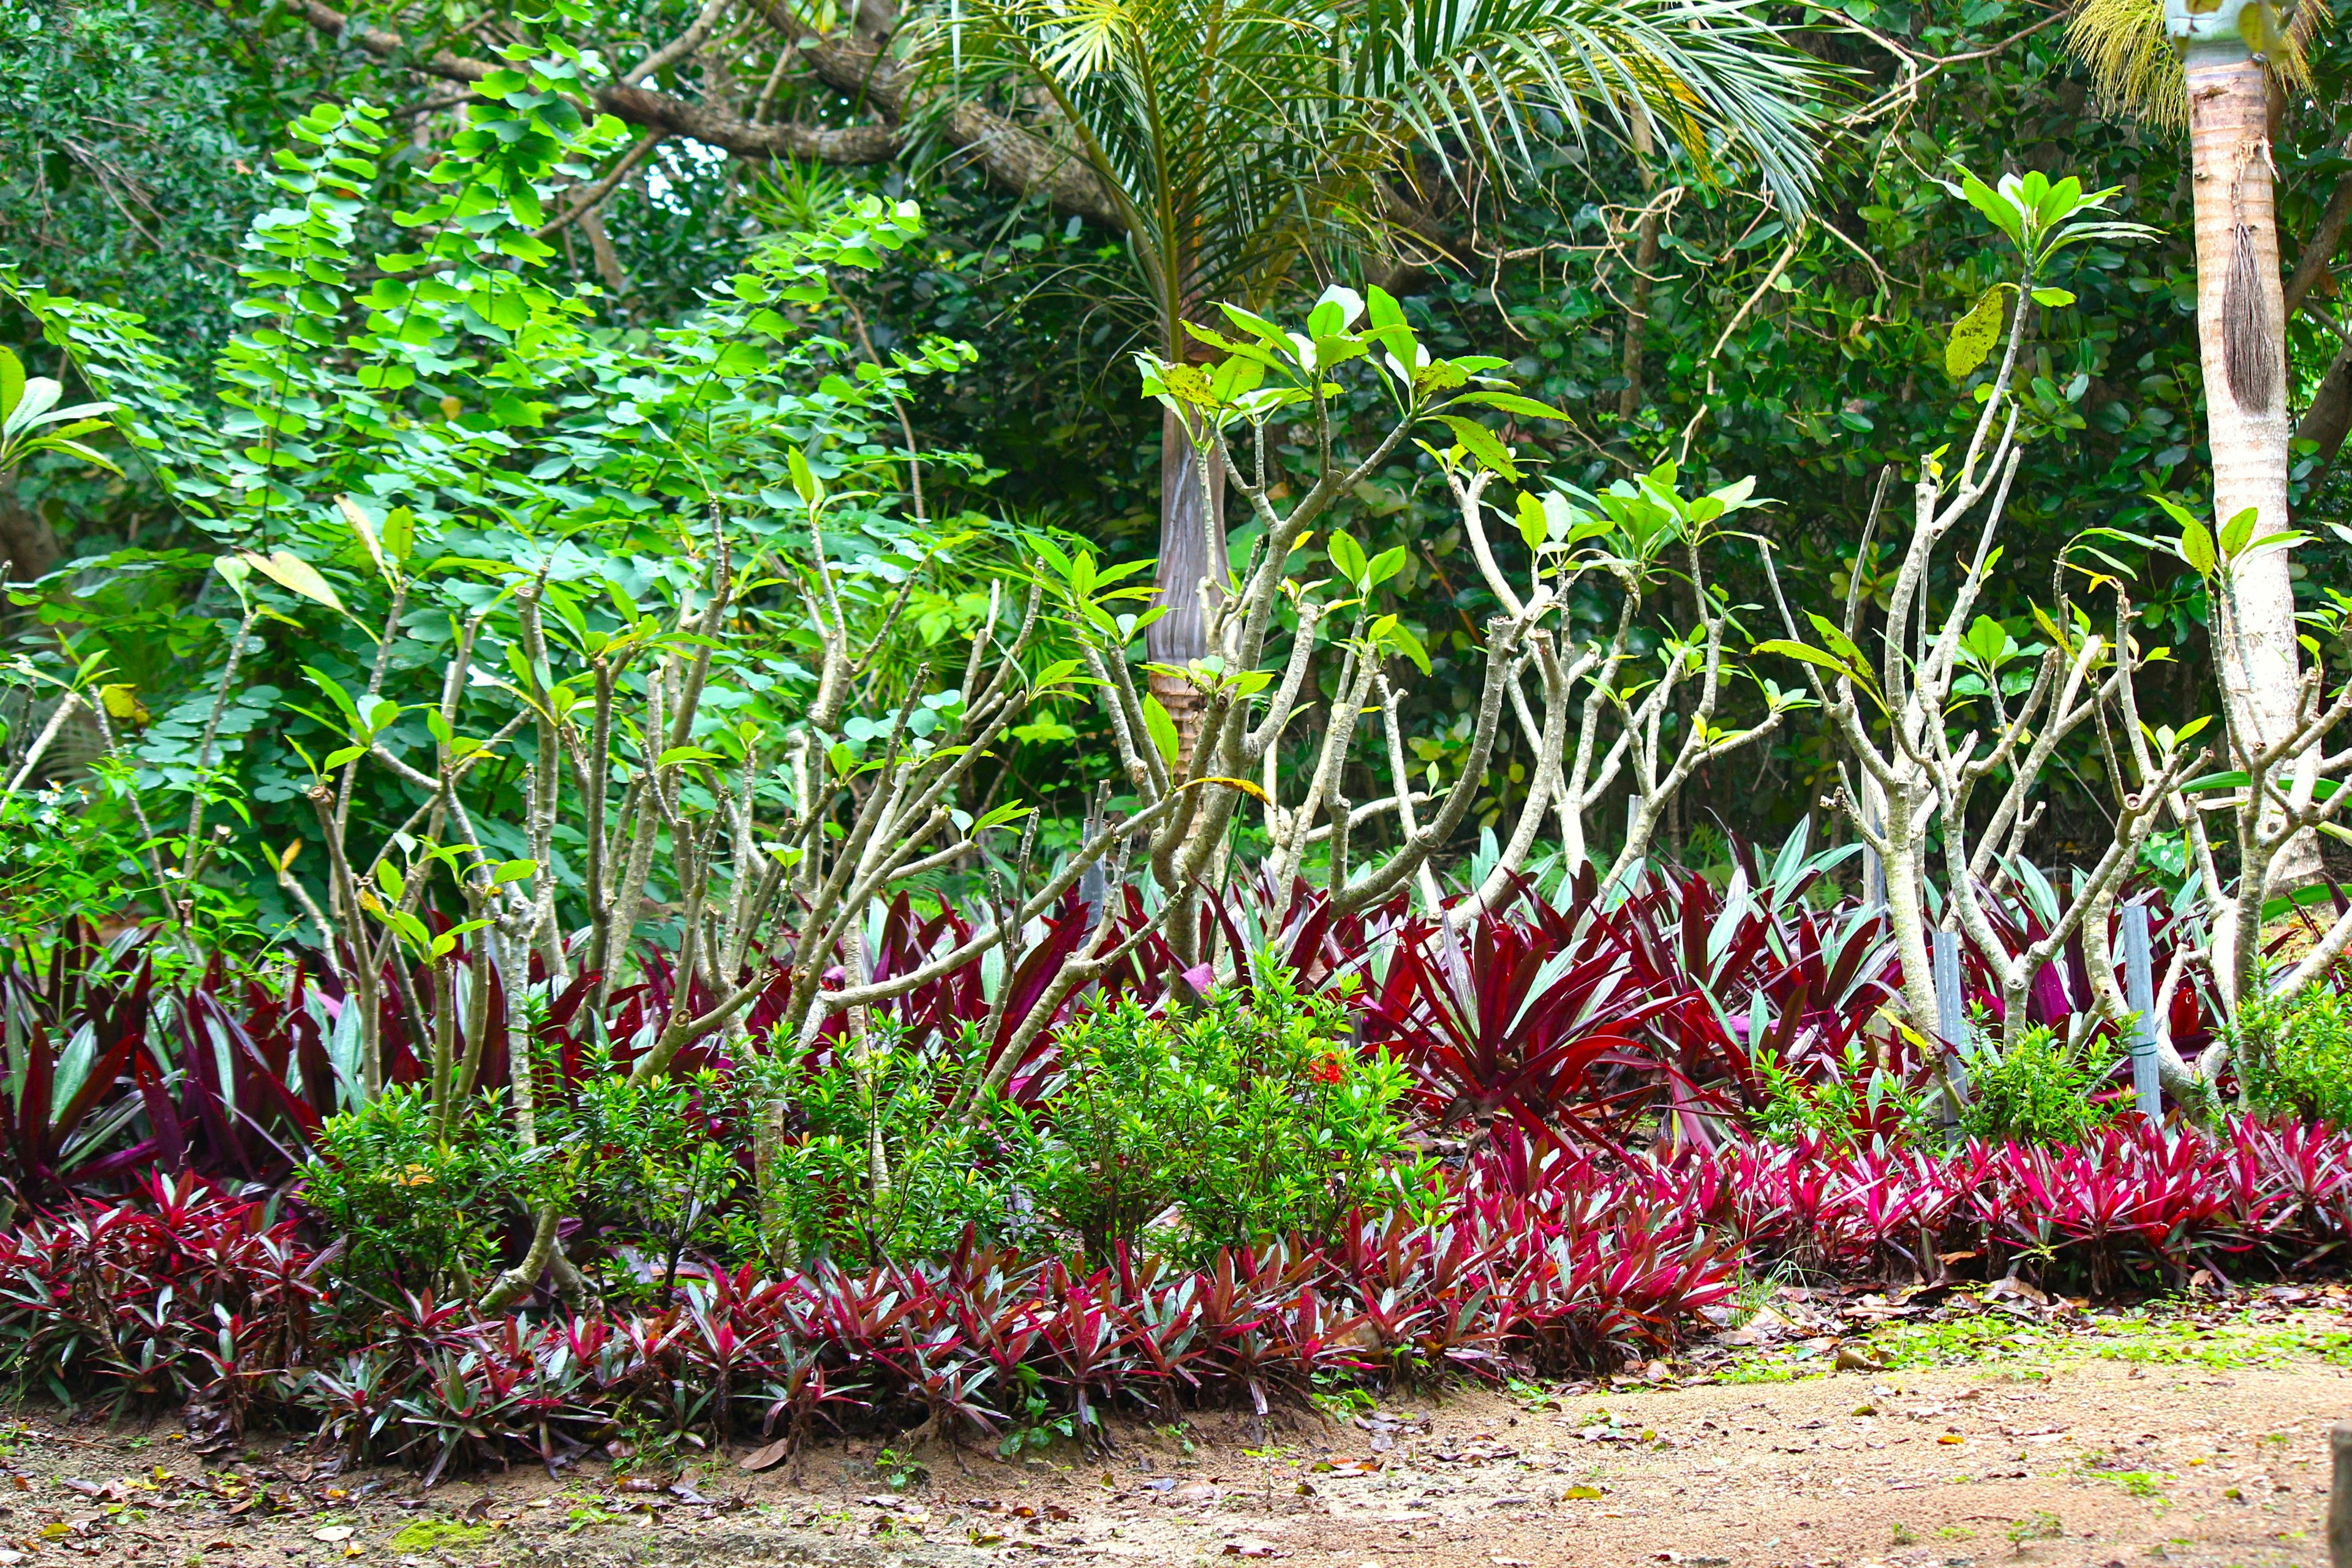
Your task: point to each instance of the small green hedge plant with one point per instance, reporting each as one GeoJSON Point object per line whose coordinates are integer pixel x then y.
{"type": "Point", "coordinates": [421, 1212]}
{"type": "Point", "coordinates": [939, 1173]}
{"type": "Point", "coordinates": [2038, 1091]}
{"type": "Point", "coordinates": [2295, 1058]}
{"type": "Point", "coordinates": [1249, 1118]}
{"type": "Point", "coordinates": [1836, 1101]}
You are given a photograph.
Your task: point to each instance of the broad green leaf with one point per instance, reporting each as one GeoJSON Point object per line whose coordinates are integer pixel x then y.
{"type": "Point", "coordinates": [1986, 639]}
{"type": "Point", "coordinates": [1162, 729]}
{"type": "Point", "coordinates": [1010, 811]}
{"type": "Point", "coordinates": [805, 484]}
{"type": "Point", "coordinates": [12, 382]}
{"type": "Point", "coordinates": [1348, 556]}
{"type": "Point", "coordinates": [1840, 644]}
{"type": "Point", "coordinates": [1396, 634]}
{"type": "Point", "coordinates": [1804, 654]}
{"type": "Point", "coordinates": [2237, 531]}
{"type": "Point", "coordinates": [2196, 547]}
{"type": "Point", "coordinates": [1512, 403]}
{"type": "Point", "coordinates": [1534, 525]}
{"type": "Point", "coordinates": [1480, 443]}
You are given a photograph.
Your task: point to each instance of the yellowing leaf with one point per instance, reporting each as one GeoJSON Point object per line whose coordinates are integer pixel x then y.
{"type": "Point", "coordinates": [122, 702]}
{"type": "Point", "coordinates": [1244, 786]}
{"type": "Point", "coordinates": [296, 576]}
{"type": "Point", "coordinates": [1974, 334]}
{"type": "Point", "coordinates": [366, 530]}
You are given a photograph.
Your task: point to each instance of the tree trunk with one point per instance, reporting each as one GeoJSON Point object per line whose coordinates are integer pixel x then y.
{"type": "Point", "coordinates": [1645, 266]}
{"type": "Point", "coordinates": [1192, 552]}
{"type": "Point", "coordinates": [2329, 417]}
{"type": "Point", "coordinates": [2242, 342]}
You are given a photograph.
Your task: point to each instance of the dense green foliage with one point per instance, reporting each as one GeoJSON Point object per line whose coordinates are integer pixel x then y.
{"type": "Point", "coordinates": [1246, 1121]}
{"type": "Point", "coordinates": [2041, 1089]}
{"type": "Point", "coordinates": [2302, 1061]}
{"type": "Point", "coordinates": [1820, 378]}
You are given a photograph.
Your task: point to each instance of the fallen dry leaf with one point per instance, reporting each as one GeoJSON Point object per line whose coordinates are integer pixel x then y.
{"type": "Point", "coordinates": [767, 1457]}
{"type": "Point", "coordinates": [334, 1532]}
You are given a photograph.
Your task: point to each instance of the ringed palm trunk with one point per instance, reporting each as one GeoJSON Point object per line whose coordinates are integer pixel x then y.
{"type": "Point", "coordinates": [2241, 334]}
{"type": "Point", "coordinates": [1191, 554]}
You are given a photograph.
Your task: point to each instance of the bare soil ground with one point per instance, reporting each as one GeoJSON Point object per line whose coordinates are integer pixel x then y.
{"type": "Point", "coordinates": [2186, 1436]}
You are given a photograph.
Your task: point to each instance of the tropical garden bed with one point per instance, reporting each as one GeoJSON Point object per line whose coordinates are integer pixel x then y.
{"type": "Point", "coordinates": [723, 963]}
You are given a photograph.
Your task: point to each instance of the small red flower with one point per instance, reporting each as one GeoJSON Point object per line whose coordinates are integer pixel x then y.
{"type": "Point", "coordinates": [1329, 1070]}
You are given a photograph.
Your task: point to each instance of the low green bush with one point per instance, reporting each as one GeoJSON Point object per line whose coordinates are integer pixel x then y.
{"type": "Point", "coordinates": [939, 1173]}
{"type": "Point", "coordinates": [1249, 1118]}
{"type": "Point", "coordinates": [2038, 1091]}
{"type": "Point", "coordinates": [2296, 1058]}
{"type": "Point", "coordinates": [419, 1211]}
{"type": "Point", "coordinates": [1847, 1100]}
{"type": "Point", "coordinates": [653, 1169]}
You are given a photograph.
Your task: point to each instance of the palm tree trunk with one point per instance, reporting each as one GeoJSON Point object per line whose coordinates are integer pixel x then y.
{"type": "Point", "coordinates": [1192, 552]}
{"type": "Point", "coordinates": [2242, 340]}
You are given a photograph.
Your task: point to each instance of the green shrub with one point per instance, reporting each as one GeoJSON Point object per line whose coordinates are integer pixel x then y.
{"type": "Point", "coordinates": [941, 1173]}
{"type": "Point", "coordinates": [2038, 1091]}
{"type": "Point", "coordinates": [2297, 1058]}
{"type": "Point", "coordinates": [64, 853]}
{"type": "Point", "coordinates": [652, 1167]}
{"type": "Point", "coordinates": [420, 1211]}
{"type": "Point", "coordinates": [1252, 1117]}
{"type": "Point", "coordinates": [1839, 1102]}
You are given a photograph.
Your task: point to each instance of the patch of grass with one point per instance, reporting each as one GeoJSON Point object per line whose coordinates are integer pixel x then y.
{"type": "Point", "coordinates": [440, 1535]}
{"type": "Point", "coordinates": [2143, 1337]}
{"type": "Point", "coordinates": [2138, 1483]}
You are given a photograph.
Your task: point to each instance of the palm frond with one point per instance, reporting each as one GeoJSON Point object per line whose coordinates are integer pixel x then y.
{"type": "Point", "coordinates": [1242, 137]}
{"type": "Point", "coordinates": [2136, 67]}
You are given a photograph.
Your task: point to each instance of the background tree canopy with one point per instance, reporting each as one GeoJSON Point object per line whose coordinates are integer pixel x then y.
{"type": "Point", "coordinates": [1670, 293]}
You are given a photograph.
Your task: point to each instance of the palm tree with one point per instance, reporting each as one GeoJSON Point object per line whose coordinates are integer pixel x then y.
{"type": "Point", "coordinates": [2208, 69]}
{"type": "Point", "coordinates": [1243, 142]}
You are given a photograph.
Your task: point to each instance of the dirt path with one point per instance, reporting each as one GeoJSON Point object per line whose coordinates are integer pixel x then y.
{"type": "Point", "coordinates": [2200, 1446]}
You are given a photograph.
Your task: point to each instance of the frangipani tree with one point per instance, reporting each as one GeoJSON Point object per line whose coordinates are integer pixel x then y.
{"type": "Point", "coordinates": [1921, 706]}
